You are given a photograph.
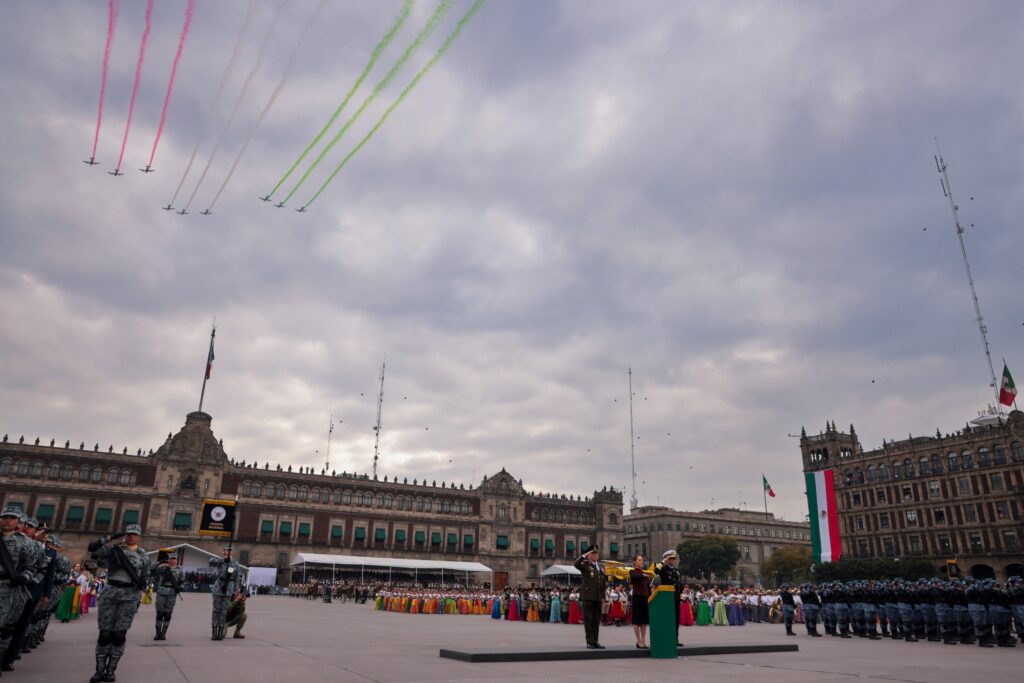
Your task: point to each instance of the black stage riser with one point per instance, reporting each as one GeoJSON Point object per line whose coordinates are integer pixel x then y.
{"type": "Point", "coordinates": [611, 652]}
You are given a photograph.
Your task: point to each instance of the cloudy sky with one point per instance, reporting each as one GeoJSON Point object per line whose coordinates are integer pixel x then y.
{"type": "Point", "coordinates": [737, 200]}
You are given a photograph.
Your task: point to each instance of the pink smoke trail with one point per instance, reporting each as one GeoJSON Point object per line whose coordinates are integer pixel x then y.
{"type": "Point", "coordinates": [111, 27]}
{"type": "Point", "coordinates": [138, 76]}
{"type": "Point", "coordinates": [189, 11]}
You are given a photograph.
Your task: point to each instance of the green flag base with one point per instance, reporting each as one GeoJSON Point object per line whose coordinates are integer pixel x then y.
{"type": "Point", "coordinates": [663, 618]}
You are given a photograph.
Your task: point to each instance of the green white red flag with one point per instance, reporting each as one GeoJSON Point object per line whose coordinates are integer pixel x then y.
{"type": "Point", "coordinates": [1007, 390]}
{"type": "Point", "coordinates": [767, 487]}
{"type": "Point", "coordinates": [821, 504]}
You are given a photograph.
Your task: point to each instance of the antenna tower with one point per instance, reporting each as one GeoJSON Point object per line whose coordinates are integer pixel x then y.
{"type": "Point", "coordinates": [632, 451]}
{"type": "Point", "coordinates": [376, 427]}
{"type": "Point", "coordinates": [330, 430]}
{"type": "Point", "coordinates": [947, 190]}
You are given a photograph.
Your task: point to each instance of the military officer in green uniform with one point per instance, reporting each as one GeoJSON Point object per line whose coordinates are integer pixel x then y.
{"type": "Point", "coordinates": [128, 569]}
{"type": "Point", "coordinates": [591, 593]}
{"type": "Point", "coordinates": [224, 586]}
{"type": "Point", "coordinates": [167, 579]}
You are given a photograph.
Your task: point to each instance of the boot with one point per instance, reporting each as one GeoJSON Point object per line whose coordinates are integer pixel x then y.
{"type": "Point", "coordinates": [115, 657]}
{"type": "Point", "coordinates": [238, 632]}
{"type": "Point", "coordinates": [911, 638]}
{"type": "Point", "coordinates": [1006, 642]}
{"type": "Point", "coordinates": [223, 632]}
{"type": "Point", "coordinates": [216, 633]}
{"type": "Point", "coordinates": [101, 668]}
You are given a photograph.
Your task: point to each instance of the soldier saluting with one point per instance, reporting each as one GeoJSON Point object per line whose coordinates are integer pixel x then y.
{"type": "Point", "coordinates": [128, 569]}
{"type": "Point", "coordinates": [168, 585]}
{"type": "Point", "coordinates": [16, 571]}
{"type": "Point", "coordinates": [591, 594]}
{"type": "Point", "coordinates": [228, 581]}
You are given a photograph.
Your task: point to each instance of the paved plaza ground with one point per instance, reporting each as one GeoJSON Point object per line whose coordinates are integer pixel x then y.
{"type": "Point", "coordinates": [298, 641]}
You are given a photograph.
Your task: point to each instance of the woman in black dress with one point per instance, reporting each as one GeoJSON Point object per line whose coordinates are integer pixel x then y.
{"type": "Point", "coordinates": [641, 587]}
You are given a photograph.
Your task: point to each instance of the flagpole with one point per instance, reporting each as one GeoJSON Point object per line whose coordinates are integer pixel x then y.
{"type": "Point", "coordinates": [206, 370]}
{"type": "Point", "coordinates": [764, 492]}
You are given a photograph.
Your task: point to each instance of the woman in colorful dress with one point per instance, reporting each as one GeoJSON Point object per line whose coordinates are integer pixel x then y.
{"type": "Point", "coordinates": [575, 616]}
{"type": "Point", "coordinates": [719, 618]}
{"type": "Point", "coordinates": [556, 607]}
{"type": "Point", "coordinates": [686, 617]}
{"type": "Point", "coordinates": [703, 608]}
{"type": "Point", "coordinates": [615, 614]}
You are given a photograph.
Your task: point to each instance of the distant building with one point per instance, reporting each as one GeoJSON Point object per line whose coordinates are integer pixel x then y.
{"type": "Point", "coordinates": [650, 530]}
{"type": "Point", "coordinates": [83, 493]}
{"type": "Point", "coordinates": [956, 496]}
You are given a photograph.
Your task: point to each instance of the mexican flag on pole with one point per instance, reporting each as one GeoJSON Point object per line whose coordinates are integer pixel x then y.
{"type": "Point", "coordinates": [821, 504]}
{"type": "Point", "coordinates": [1007, 390]}
{"type": "Point", "coordinates": [767, 487]}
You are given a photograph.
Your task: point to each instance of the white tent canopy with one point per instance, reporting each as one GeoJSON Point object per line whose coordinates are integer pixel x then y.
{"type": "Point", "coordinates": [558, 569]}
{"type": "Point", "coordinates": [386, 562]}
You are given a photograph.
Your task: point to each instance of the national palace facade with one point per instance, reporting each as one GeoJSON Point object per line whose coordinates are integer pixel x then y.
{"type": "Point", "coordinates": [83, 493]}
{"type": "Point", "coordinates": [957, 496]}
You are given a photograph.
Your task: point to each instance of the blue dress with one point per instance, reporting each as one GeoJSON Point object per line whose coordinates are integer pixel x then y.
{"type": "Point", "coordinates": [556, 610]}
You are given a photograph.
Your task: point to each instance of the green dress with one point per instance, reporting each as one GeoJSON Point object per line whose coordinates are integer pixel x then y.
{"type": "Point", "coordinates": [703, 612]}
{"type": "Point", "coordinates": [720, 618]}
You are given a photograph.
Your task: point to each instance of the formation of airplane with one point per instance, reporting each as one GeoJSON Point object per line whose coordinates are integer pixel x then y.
{"type": "Point", "coordinates": [147, 169]}
{"type": "Point", "coordinates": [116, 172]}
{"type": "Point", "coordinates": [92, 161]}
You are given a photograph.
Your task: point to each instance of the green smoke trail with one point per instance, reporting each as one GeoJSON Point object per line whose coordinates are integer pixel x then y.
{"type": "Point", "coordinates": [374, 56]}
{"type": "Point", "coordinates": [440, 53]}
{"type": "Point", "coordinates": [424, 33]}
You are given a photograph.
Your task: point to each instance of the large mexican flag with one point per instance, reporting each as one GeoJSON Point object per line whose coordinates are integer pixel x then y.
{"type": "Point", "coordinates": [821, 504]}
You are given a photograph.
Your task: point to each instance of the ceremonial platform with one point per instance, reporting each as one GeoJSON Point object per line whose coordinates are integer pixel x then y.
{"type": "Point", "coordinates": [555, 654]}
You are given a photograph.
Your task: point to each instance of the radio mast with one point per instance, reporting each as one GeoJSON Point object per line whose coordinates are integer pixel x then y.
{"type": "Point", "coordinates": [376, 427]}
{"type": "Point", "coordinates": [947, 190]}
{"type": "Point", "coordinates": [330, 430]}
{"type": "Point", "coordinates": [632, 454]}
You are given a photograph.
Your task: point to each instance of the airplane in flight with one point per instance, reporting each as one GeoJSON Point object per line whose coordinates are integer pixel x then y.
{"type": "Point", "coordinates": [92, 161]}
{"type": "Point", "coordinates": [183, 212]}
{"type": "Point", "coordinates": [206, 213]}
{"type": "Point", "coordinates": [280, 206]}
{"type": "Point", "coordinates": [115, 172]}
{"type": "Point", "coordinates": [168, 207]}
{"type": "Point", "coordinates": [301, 209]}
{"type": "Point", "coordinates": [266, 199]}
{"type": "Point", "coordinates": [147, 169]}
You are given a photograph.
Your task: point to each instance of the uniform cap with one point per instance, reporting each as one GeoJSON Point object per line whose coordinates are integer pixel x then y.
{"type": "Point", "coordinates": [11, 511]}
{"type": "Point", "coordinates": [669, 553]}
{"type": "Point", "coordinates": [32, 522]}
{"type": "Point", "coordinates": [592, 548]}
{"type": "Point", "coordinates": [133, 529]}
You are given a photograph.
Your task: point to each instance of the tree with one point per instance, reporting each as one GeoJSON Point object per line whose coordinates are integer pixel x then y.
{"type": "Point", "coordinates": [788, 564]}
{"type": "Point", "coordinates": [702, 557]}
{"type": "Point", "coordinates": [868, 569]}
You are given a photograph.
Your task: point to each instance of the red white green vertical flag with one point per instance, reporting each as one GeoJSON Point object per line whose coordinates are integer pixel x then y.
{"type": "Point", "coordinates": [821, 504]}
{"type": "Point", "coordinates": [1007, 390]}
{"type": "Point", "coordinates": [767, 486]}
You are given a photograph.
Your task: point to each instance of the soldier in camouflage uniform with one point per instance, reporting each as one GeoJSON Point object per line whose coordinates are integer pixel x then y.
{"type": "Point", "coordinates": [128, 570]}
{"type": "Point", "coordinates": [167, 579]}
{"type": "Point", "coordinates": [61, 573]}
{"type": "Point", "coordinates": [22, 619]}
{"type": "Point", "coordinates": [229, 580]}
{"type": "Point", "coordinates": [16, 572]}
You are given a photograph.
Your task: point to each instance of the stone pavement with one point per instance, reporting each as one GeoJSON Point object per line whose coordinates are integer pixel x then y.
{"type": "Point", "coordinates": [298, 641]}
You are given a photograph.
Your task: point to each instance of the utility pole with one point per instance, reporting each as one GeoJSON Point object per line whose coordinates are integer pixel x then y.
{"type": "Point", "coordinates": [632, 450]}
{"type": "Point", "coordinates": [376, 427]}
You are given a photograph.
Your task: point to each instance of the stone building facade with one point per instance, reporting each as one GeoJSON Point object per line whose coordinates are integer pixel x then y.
{"type": "Point", "coordinates": [83, 493]}
{"type": "Point", "coordinates": [956, 496]}
{"type": "Point", "coordinates": [651, 530]}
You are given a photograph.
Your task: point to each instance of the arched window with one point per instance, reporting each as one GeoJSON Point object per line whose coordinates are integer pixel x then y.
{"type": "Point", "coordinates": [257, 489]}
{"type": "Point", "coordinates": [97, 474]}
{"type": "Point", "coordinates": [858, 475]}
{"type": "Point", "coordinates": [847, 477]}
{"type": "Point", "coordinates": [388, 502]}
{"type": "Point", "coordinates": [314, 495]}
{"type": "Point", "coordinates": [883, 472]}
{"type": "Point", "coordinates": [280, 491]}
{"type": "Point", "coordinates": [897, 470]}
{"type": "Point", "coordinates": [359, 498]}
{"type": "Point", "coordinates": [23, 468]}
{"type": "Point", "coordinates": [126, 477]}
{"type": "Point", "coordinates": [346, 498]}
{"type": "Point", "coordinates": [613, 519]}
{"type": "Point", "coordinates": [293, 492]}
{"type": "Point", "coordinates": [337, 497]}
{"type": "Point", "coordinates": [464, 507]}
{"type": "Point", "coordinates": [269, 493]}
{"type": "Point", "coordinates": [427, 505]}
{"type": "Point", "coordinates": [446, 506]}
{"type": "Point", "coordinates": [380, 500]}
{"type": "Point", "coordinates": [112, 475]}
{"type": "Point", "coordinates": [953, 461]}
{"type": "Point", "coordinates": [872, 473]}
{"type": "Point", "coordinates": [304, 493]}
{"type": "Point", "coordinates": [966, 459]}
{"type": "Point", "coordinates": [999, 454]}
{"type": "Point", "coordinates": [1017, 451]}
{"type": "Point", "coordinates": [419, 505]}
{"type": "Point", "coordinates": [984, 457]}
{"type": "Point", "coordinates": [68, 473]}
{"type": "Point", "coordinates": [83, 473]}
{"type": "Point", "coordinates": [246, 488]}
{"type": "Point", "coordinates": [923, 466]}
{"type": "Point", "coordinates": [5, 466]}
{"type": "Point", "coordinates": [936, 464]}
{"type": "Point", "coordinates": [37, 469]}
{"type": "Point", "coordinates": [55, 471]}
{"type": "Point", "coordinates": [908, 468]}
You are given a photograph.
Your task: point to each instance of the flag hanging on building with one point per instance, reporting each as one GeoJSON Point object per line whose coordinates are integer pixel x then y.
{"type": "Point", "coordinates": [821, 504]}
{"type": "Point", "coordinates": [767, 486]}
{"type": "Point", "coordinates": [1007, 390]}
{"type": "Point", "coordinates": [209, 357]}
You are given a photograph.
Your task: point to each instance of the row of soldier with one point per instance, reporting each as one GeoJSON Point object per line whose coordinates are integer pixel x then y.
{"type": "Point", "coordinates": [33, 573]}
{"type": "Point", "coordinates": [955, 611]}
